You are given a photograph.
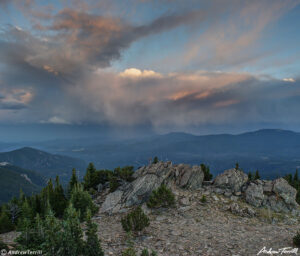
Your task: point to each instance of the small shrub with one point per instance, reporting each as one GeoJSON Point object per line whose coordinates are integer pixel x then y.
{"type": "Point", "coordinates": [129, 252]}
{"type": "Point", "coordinates": [207, 175]}
{"type": "Point", "coordinates": [5, 223]}
{"type": "Point", "coordinates": [113, 184]}
{"type": "Point", "coordinates": [3, 245]}
{"type": "Point", "coordinates": [203, 199]}
{"type": "Point", "coordinates": [135, 221]}
{"type": "Point", "coordinates": [145, 252]}
{"type": "Point", "coordinates": [155, 160]}
{"type": "Point", "coordinates": [124, 173]}
{"type": "Point", "coordinates": [296, 239]}
{"type": "Point", "coordinates": [161, 197]}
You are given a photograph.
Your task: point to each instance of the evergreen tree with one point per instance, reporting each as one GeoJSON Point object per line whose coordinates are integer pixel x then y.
{"type": "Point", "coordinates": [155, 160]}
{"type": "Point", "coordinates": [59, 203]}
{"type": "Point", "coordinates": [71, 240]}
{"type": "Point", "coordinates": [207, 175]}
{"type": "Point", "coordinates": [250, 176]}
{"type": "Point", "coordinates": [73, 182]}
{"type": "Point", "coordinates": [89, 178]}
{"type": "Point", "coordinates": [296, 176]}
{"type": "Point", "coordinates": [27, 216]}
{"type": "Point", "coordinates": [135, 221]}
{"type": "Point", "coordinates": [3, 245]}
{"type": "Point", "coordinates": [32, 236]}
{"type": "Point", "coordinates": [92, 246]}
{"type": "Point", "coordinates": [82, 201]}
{"type": "Point", "coordinates": [14, 209]}
{"type": "Point", "coordinates": [5, 223]}
{"type": "Point", "coordinates": [161, 197]}
{"type": "Point", "coordinates": [257, 176]}
{"type": "Point", "coordinates": [237, 166]}
{"type": "Point", "coordinates": [53, 235]}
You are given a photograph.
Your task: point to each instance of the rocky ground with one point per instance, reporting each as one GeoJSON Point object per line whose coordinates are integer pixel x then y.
{"type": "Point", "coordinates": [217, 227]}
{"type": "Point", "coordinates": [239, 217]}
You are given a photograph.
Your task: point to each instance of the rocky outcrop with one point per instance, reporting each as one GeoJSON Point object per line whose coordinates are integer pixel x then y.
{"type": "Point", "coordinates": [276, 195]}
{"type": "Point", "coordinates": [231, 180]}
{"type": "Point", "coordinates": [149, 178]}
{"type": "Point", "coordinates": [254, 194]}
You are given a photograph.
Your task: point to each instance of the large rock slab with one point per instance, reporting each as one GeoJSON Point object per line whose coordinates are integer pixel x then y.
{"type": "Point", "coordinates": [112, 202]}
{"type": "Point", "coordinates": [283, 189]}
{"type": "Point", "coordinates": [231, 179]}
{"type": "Point", "coordinates": [149, 178]}
{"type": "Point", "coordinates": [254, 194]}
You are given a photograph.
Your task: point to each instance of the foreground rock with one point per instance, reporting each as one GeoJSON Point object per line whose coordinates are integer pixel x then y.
{"type": "Point", "coordinates": [149, 178]}
{"type": "Point", "coordinates": [275, 195]}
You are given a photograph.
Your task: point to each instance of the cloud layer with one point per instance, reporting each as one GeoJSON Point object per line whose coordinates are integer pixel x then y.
{"type": "Point", "coordinates": [57, 70]}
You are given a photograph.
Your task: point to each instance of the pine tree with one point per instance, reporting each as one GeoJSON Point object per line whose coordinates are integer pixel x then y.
{"type": "Point", "coordinates": [82, 201]}
{"type": "Point", "coordinates": [250, 176]}
{"type": "Point", "coordinates": [5, 223]}
{"type": "Point", "coordinates": [53, 235]}
{"type": "Point", "coordinates": [207, 175]}
{"type": "Point", "coordinates": [237, 166]}
{"type": "Point", "coordinates": [155, 160]}
{"type": "Point", "coordinates": [92, 246]}
{"type": "Point", "coordinates": [60, 202]}
{"type": "Point", "coordinates": [257, 176]}
{"type": "Point", "coordinates": [161, 197]}
{"type": "Point", "coordinates": [296, 176]}
{"type": "Point", "coordinates": [73, 182]}
{"type": "Point", "coordinates": [27, 216]}
{"type": "Point", "coordinates": [71, 240]}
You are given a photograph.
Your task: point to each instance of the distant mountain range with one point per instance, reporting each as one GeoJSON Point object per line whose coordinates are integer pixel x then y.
{"type": "Point", "coordinates": [273, 151]}
{"type": "Point", "coordinates": [13, 179]}
{"type": "Point", "coordinates": [46, 164]}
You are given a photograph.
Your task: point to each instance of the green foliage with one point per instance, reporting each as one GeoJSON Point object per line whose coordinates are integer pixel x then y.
{"type": "Point", "coordinates": [101, 177]}
{"type": "Point", "coordinates": [257, 176]}
{"type": "Point", "coordinates": [3, 245]}
{"type": "Point", "coordinates": [113, 184]}
{"type": "Point", "coordinates": [207, 175]}
{"type": "Point", "coordinates": [5, 222]}
{"type": "Point", "coordinates": [73, 182]}
{"type": "Point", "coordinates": [237, 166]}
{"type": "Point", "coordinates": [27, 216]}
{"type": "Point", "coordinates": [161, 197]}
{"type": "Point", "coordinates": [145, 252]}
{"type": "Point", "coordinates": [124, 173]}
{"type": "Point", "coordinates": [92, 245]}
{"type": "Point", "coordinates": [296, 176]}
{"type": "Point", "coordinates": [203, 199]}
{"type": "Point", "coordinates": [250, 177]}
{"type": "Point", "coordinates": [32, 235]}
{"type": "Point", "coordinates": [296, 239]}
{"type": "Point", "coordinates": [59, 201]}
{"type": "Point", "coordinates": [88, 179]}
{"type": "Point", "coordinates": [71, 239]}
{"type": "Point", "coordinates": [135, 221]}
{"type": "Point", "coordinates": [155, 160]}
{"type": "Point", "coordinates": [129, 252]}
{"type": "Point", "coordinates": [82, 201]}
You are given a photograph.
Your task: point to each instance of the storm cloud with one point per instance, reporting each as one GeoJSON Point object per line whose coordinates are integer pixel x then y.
{"type": "Point", "coordinates": [60, 69]}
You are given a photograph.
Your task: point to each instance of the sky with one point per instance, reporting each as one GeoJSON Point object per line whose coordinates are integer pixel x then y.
{"type": "Point", "coordinates": [148, 66]}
